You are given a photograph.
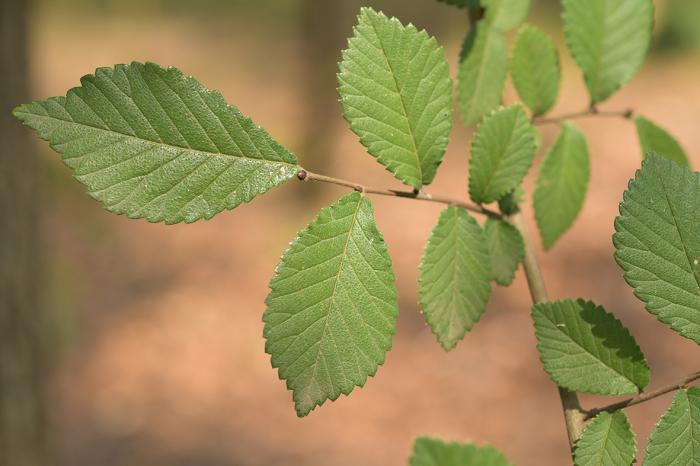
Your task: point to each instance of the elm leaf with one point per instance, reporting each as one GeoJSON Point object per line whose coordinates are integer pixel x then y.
{"type": "Point", "coordinates": [676, 439]}
{"type": "Point", "coordinates": [504, 15]}
{"type": "Point", "coordinates": [434, 452]}
{"type": "Point", "coordinates": [502, 153]}
{"type": "Point", "coordinates": [607, 440]}
{"type": "Point", "coordinates": [535, 70]}
{"type": "Point", "coordinates": [658, 245]}
{"type": "Point", "coordinates": [331, 312]}
{"type": "Point", "coordinates": [482, 73]}
{"type": "Point", "coordinates": [586, 349]}
{"type": "Point", "coordinates": [562, 183]}
{"type": "Point", "coordinates": [609, 40]}
{"type": "Point", "coordinates": [656, 139]}
{"type": "Point", "coordinates": [506, 248]}
{"type": "Point", "coordinates": [396, 92]}
{"type": "Point", "coordinates": [455, 274]}
{"type": "Point", "coordinates": [152, 143]}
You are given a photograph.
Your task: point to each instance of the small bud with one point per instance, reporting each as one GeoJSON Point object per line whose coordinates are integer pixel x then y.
{"type": "Point", "coordinates": [509, 203]}
{"type": "Point", "coordinates": [301, 175]}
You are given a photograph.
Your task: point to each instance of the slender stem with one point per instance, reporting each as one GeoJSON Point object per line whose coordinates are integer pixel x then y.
{"type": "Point", "coordinates": [573, 414]}
{"type": "Point", "coordinates": [642, 397]}
{"type": "Point", "coordinates": [590, 112]}
{"type": "Point", "coordinates": [305, 175]}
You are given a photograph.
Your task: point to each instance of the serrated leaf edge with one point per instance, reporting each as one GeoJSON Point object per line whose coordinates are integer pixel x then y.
{"type": "Point", "coordinates": [339, 77]}
{"type": "Point", "coordinates": [587, 388]}
{"type": "Point", "coordinates": [476, 131]}
{"type": "Point", "coordinates": [20, 111]}
{"type": "Point", "coordinates": [373, 372]}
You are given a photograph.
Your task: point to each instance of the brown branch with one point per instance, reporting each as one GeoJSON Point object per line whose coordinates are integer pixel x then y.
{"type": "Point", "coordinates": [643, 397]}
{"type": "Point", "coordinates": [573, 414]}
{"type": "Point", "coordinates": [589, 112]}
{"type": "Point", "coordinates": [305, 175]}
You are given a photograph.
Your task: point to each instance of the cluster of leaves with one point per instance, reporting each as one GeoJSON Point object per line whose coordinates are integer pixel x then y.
{"type": "Point", "coordinates": [150, 142]}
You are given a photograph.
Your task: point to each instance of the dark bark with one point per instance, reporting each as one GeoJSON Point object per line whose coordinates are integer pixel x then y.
{"type": "Point", "coordinates": [22, 365]}
{"type": "Point", "coordinates": [324, 28]}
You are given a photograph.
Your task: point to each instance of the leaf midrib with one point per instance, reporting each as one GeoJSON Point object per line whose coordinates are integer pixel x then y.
{"type": "Point", "coordinates": [454, 238]}
{"type": "Point", "coordinates": [403, 103]}
{"type": "Point", "coordinates": [162, 144]}
{"type": "Point", "coordinates": [332, 297]}
{"type": "Point", "coordinates": [501, 159]}
{"type": "Point", "coordinates": [560, 177]}
{"type": "Point", "coordinates": [605, 439]}
{"type": "Point", "coordinates": [596, 358]}
{"type": "Point", "coordinates": [533, 68]}
{"type": "Point", "coordinates": [680, 236]}
{"type": "Point", "coordinates": [485, 55]}
{"type": "Point", "coordinates": [679, 419]}
{"type": "Point", "coordinates": [690, 424]}
{"type": "Point", "coordinates": [599, 49]}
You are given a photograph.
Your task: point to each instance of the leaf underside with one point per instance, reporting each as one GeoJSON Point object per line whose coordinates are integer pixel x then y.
{"type": "Point", "coordinates": [502, 153]}
{"type": "Point", "coordinates": [658, 245]}
{"type": "Point", "coordinates": [609, 40]}
{"type": "Point", "coordinates": [433, 452]}
{"type": "Point", "coordinates": [152, 143]}
{"type": "Point", "coordinates": [506, 248]}
{"type": "Point", "coordinates": [535, 70]}
{"type": "Point", "coordinates": [454, 283]}
{"type": "Point", "coordinates": [676, 439]}
{"type": "Point", "coordinates": [331, 312]}
{"type": "Point", "coordinates": [608, 440]}
{"type": "Point", "coordinates": [396, 93]}
{"type": "Point", "coordinates": [562, 183]}
{"type": "Point", "coordinates": [652, 138]}
{"type": "Point", "coordinates": [482, 73]}
{"type": "Point", "coordinates": [586, 349]}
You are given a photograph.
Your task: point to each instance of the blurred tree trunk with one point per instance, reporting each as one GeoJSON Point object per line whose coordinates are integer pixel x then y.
{"type": "Point", "coordinates": [22, 364]}
{"type": "Point", "coordinates": [324, 28]}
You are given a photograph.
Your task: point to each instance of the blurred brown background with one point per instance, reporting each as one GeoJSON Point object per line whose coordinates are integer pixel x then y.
{"type": "Point", "coordinates": [152, 334]}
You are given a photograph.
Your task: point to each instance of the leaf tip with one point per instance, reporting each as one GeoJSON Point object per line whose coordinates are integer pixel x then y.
{"type": "Point", "coordinates": [19, 112]}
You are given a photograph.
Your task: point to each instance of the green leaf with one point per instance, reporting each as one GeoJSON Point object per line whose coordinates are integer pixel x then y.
{"type": "Point", "coordinates": [331, 312]}
{"type": "Point", "coordinates": [658, 245]}
{"type": "Point", "coordinates": [454, 283]}
{"type": "Point", "coordinates": [482, 74]}
{"type": "Point", "coordinates": [658, 140]}
{"type": "Point", "coordinates": [586, 349]}
{"type": "Point", "coordinates": [434, 452]}
{"type": "Point", "coordinates": [535, 70]}
{"type": "Point", "coordinates": [562, 182]}
{"type": "Point", "coordinates": [608, 440]}
{"type": "Point", "coordinates": [502, 153]}
{"type": "Point", "coordinates": [468, 44]}
{"type": "Point", "coordinates": [506, 248]}
{"type": "Point", "coordinates": [396, 92]}
{"type": "Point", "coordinates": [504, 15]}
{"type": "Point", "coordinates": [609, 40]}
{"type": "Point", "coordinates": [676, 439]}
{"type": "Point", "coordinates": [152, 143]}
